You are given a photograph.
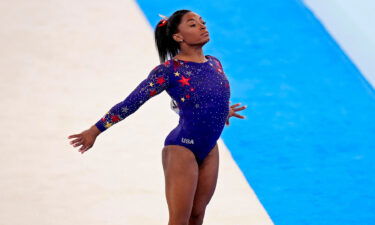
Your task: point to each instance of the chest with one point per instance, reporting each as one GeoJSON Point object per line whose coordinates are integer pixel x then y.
{"type": "Point", "coordinates": [199, 83]}
{"type": "Point", "coordinates": [207, 76]}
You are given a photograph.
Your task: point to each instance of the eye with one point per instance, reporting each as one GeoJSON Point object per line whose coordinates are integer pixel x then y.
{"type": "Point", "coordinates": [193, 25]}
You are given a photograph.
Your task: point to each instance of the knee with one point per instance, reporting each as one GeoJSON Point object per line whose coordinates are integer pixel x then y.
{"type": "Point", "coordinates": [178, 220]}
{"type": "Point", "coordinates": [178, 223]}
{"type": "Point", "coordinates": [197, 216]}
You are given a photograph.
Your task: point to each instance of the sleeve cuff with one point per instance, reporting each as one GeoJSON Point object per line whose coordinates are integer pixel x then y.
{"type": "Point", "coordinates": [100, 126]}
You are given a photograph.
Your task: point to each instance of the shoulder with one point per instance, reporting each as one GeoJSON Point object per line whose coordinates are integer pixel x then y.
{"type": "Point", "coordinates": [215, 59]}
{"type": "Point", "coordinates": [162, 68]}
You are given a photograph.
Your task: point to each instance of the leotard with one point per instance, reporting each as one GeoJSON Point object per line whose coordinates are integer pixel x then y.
{"type": "Point", "coordinates": [202, 93]}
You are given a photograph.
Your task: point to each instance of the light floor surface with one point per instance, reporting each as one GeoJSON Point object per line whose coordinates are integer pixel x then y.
{"type": "Point", "coordinates": [63, 65]}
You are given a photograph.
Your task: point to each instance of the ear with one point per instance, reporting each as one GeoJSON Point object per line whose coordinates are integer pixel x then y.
{"type": "Point", "coordinates": [177, 37]}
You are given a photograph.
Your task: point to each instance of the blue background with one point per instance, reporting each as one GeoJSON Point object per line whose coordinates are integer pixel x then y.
{"type": "Point", "coordinates": [307, 146]}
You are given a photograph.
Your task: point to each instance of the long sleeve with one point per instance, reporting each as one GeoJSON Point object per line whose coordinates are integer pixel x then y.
{"type": "Point", "coordinates": [156, 82]}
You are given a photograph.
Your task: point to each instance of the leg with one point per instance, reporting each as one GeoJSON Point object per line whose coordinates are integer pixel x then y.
{"type": "Point", "coordinates": [208, 173]}
{"type": "Point", "coordinates": [181, 178]}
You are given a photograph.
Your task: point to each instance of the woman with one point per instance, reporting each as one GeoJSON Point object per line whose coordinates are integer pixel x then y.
{"type": "Point", "coordinates": [200, 89]}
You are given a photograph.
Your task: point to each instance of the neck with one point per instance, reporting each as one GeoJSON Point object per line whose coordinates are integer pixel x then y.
{"type": "Point", "coordinates": [191, 53]}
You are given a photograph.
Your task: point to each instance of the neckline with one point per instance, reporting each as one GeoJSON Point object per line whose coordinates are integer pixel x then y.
{"type": "Point", "coordinates": [185, 61]}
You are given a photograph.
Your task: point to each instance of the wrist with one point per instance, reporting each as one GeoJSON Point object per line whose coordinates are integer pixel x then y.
{"type": "Point", "coordinates": [94, 130]}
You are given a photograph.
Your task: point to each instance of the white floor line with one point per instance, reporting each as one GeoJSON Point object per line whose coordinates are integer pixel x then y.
{"type": "Point", "coordinates": [350, 24]}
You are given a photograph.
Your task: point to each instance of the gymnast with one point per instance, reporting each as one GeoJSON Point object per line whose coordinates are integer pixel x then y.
{"type": "Point", "coordinates": [200, 93]}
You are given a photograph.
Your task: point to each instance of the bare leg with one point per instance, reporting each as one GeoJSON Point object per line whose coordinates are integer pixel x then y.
{"type": "Point", "coordinates": [208, 173]}
{"type": "Point", "coordinates": [181, 178]}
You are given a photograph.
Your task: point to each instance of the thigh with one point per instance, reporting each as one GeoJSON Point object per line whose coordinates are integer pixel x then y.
{"type": "Point", "coordinates": [181, 178]}
{"type": "Point", "coordinates": [207, 179]}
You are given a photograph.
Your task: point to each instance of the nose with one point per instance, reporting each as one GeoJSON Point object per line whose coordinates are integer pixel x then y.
{"type": "Point", "coordinates": [203, 26]}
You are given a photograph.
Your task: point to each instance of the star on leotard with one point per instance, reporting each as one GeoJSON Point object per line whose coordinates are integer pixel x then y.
{"type": "Point", "coordinates": [160, 80]}
{"type": "Point", "coordinates": [177, 74]}
{"type": "Point", "coordinates": [152, 92]}
{"type": "Point", "coordinates": [182, 99]}
{"type": "Point", "coordinates": [184, 81]}
{"type": "Point", "coordinates": [115, 118]}
{"type": "Point", "coordinates": [124, 109]}
{"type": "Point", "coordinates": [188, 73]}
{"type": "Point", "coordinates": [176, 64]}
{"type": "Point", "coordinates": [107, 125]}
{"type": "Point", "coordinates": [151, 84]}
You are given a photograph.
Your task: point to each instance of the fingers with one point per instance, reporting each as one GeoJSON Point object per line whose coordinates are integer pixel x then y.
{"type": "Point", "coordinates": [77, 143]}
{"type": "Point", "coordinates": [240, 109]}
{"type": "Point", "coordinates": [232, 106]}
{"type": "Point", "coordinates": [239, 116]}
{"type": "Point", "coordinates": [84, 148]}
{"type": "Point", "coordinates": [233, 109]}
{"type": "Point", "coordinates": [74, 135]}
{"type": "Point", "coordinates": [76, 140]}
{"type": "Point", "coordinates": [80, 141]}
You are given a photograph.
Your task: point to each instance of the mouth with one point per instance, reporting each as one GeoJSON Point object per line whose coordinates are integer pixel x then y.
{"type": "Point", "coordinates": [205, 33]}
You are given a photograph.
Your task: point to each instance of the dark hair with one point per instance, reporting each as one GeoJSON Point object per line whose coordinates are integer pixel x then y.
{"type": "Point", "coordinates": [166, 45]}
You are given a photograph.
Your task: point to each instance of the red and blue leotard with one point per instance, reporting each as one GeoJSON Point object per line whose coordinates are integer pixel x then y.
{"type": "Point", "coordinates": [202, 92]}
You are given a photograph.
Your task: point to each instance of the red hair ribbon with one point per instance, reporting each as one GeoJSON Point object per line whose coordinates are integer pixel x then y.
{"type": "Point", "coordinates": [163, 21]}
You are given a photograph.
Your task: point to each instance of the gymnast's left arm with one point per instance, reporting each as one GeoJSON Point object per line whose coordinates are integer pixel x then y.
{"type": "Point", "coordinates": [235, 107]}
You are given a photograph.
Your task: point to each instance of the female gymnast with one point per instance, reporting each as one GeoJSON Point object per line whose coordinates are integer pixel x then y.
{"type": "Point", "coordinates": [200, 90]}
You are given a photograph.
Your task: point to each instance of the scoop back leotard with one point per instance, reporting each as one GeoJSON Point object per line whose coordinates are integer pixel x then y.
{"type": "Point", "coordinates": [202, 92]}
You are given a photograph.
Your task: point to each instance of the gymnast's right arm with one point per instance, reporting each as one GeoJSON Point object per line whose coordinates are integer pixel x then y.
{"type": "Point", "coordinates": [156, 82]}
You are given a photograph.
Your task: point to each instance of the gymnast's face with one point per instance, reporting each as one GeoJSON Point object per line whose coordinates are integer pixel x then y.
{"type": "Point", "coordinates": [192, 30]}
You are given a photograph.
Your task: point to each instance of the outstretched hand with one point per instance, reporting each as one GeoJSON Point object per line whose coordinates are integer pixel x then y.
{"type": "Point", "coordinates": [86, 139]}
{"type": "Point", "coordinates": [232, 112]}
